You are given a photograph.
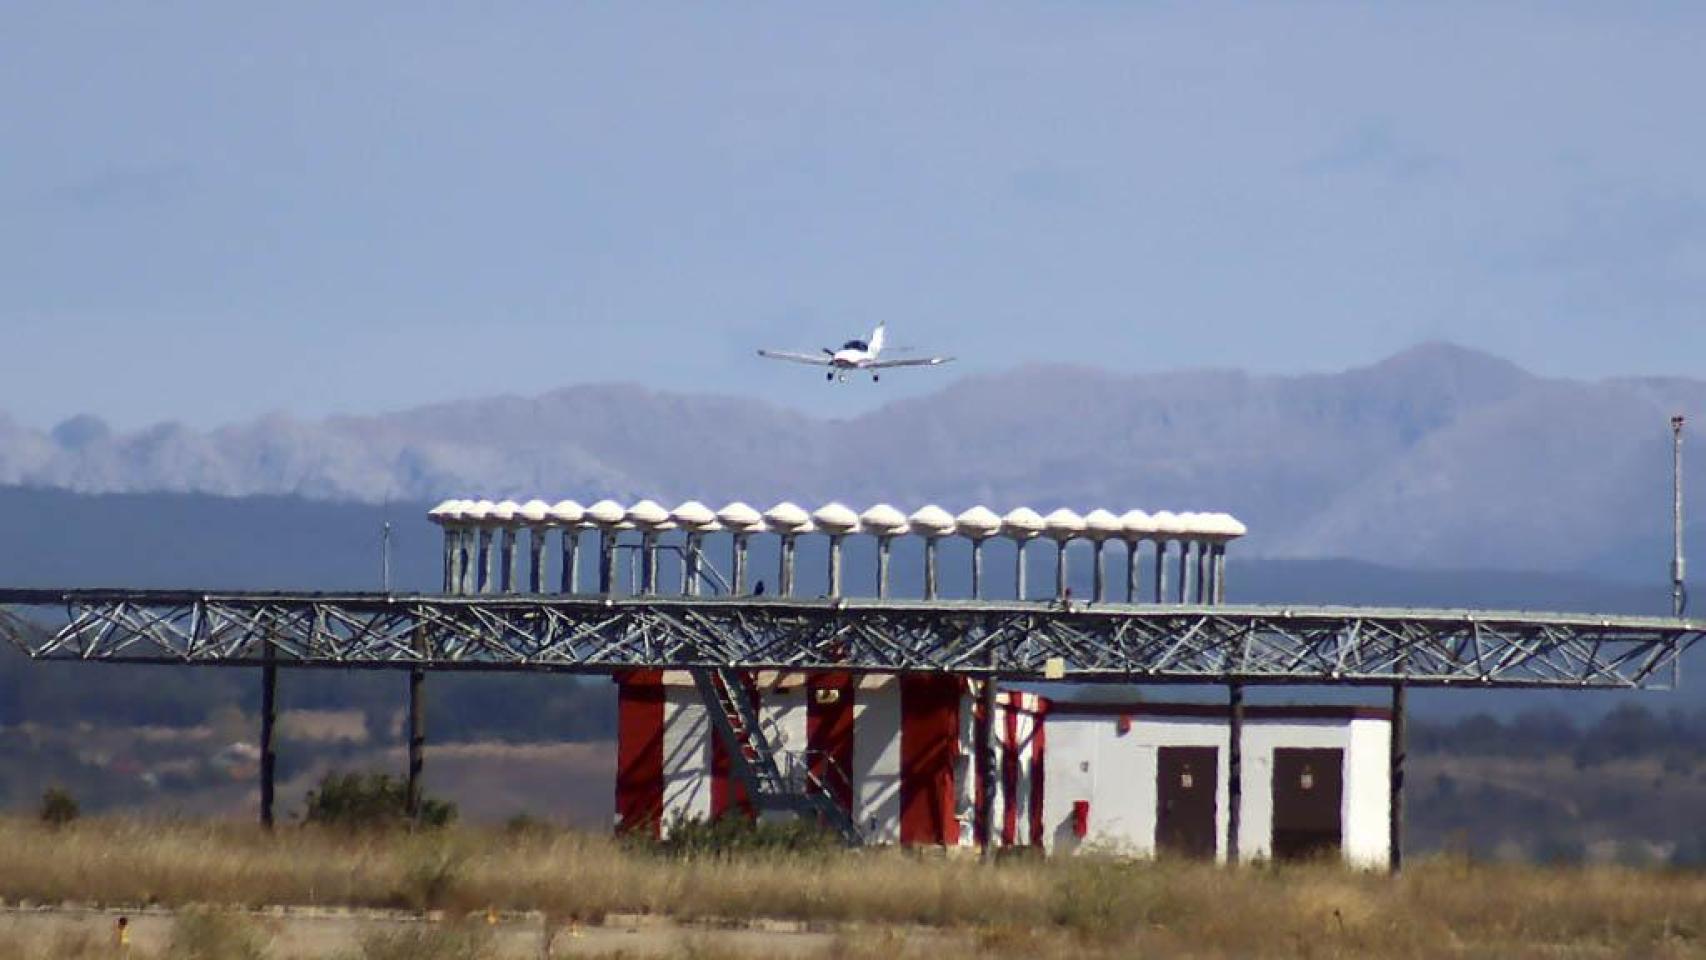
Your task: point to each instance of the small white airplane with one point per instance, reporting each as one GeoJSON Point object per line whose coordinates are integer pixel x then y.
{"type": "Point", "coordinates": [854, 355]}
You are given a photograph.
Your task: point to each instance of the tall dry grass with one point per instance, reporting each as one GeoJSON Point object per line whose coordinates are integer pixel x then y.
{"type": "Point", "coordinates": [1020, 906]}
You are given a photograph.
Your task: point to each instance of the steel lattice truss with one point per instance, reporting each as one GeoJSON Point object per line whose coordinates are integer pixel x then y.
{"type": "Point", "coordinates": [1142, 643]}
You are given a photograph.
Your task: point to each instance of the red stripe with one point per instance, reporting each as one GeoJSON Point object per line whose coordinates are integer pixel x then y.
{"type": "Point", "coordinates": [829, 733]}
{"type": "Point", "coordinates": [1039, 732]}
{"type": "Point", "coordinates": [929, 745]}
{"type": "Point", "coordinates": [639, 751]}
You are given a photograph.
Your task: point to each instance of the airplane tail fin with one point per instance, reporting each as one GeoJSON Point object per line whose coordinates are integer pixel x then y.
{"type": "Point", "coordinates": [876, 341]}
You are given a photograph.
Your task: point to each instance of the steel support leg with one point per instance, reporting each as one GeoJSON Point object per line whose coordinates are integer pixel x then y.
{"type": "Point", "coordinates": [977, 569]}
{"type": "Point", "coordinates": [690, 565]}
{"type": "Point", "coordinates": [883, 544]}
{"type": "Point", "coordinates": [1019, 570]}
{"type": "Point", "coordinates": [506, 572]}
{"type": "Point", "coordinates": [417, 740]}
{"type": "Point", "coordinates": [785, 570]}
{"type": "Point", "coordinates": [1395, 827]}
{"type": "Point", "coordinates": [930, 568]}
{"type": "Point", "coordinates": [1220, 573]}
{"type": "Point", "coordinates": [571, 558]}
{"type": "Point", "coordinates": [737, 581]}
{"type": "Point", "coordinates": [1234, 770]}
{"type": "Point", "coordinates": [269, 752]}
{"type": "Point", "coordinates": [1060, 570]}
{"type": "Point", "coordinates": [648, 563]}
{"type": "Point", "coordinates": [1099, 585]}
{"type": "Point", "coordinates": [1133, 573]}
{"type": "Point", "coordinates": [835, 565]}
{"type": "Point", "coordinates": [536, 560]}
{"type": "Point", "coordinates": [1160, 571]}
{"type": "Point", "coordinates": [1184, 571]}
{"type": "Point", "coordinates": [1201, 574]}
{"type": "Point", "coordinates": [606, 561]}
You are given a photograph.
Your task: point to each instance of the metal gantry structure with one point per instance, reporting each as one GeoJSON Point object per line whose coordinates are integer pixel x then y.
{"type": "Point", "coordinates": [494, 616]}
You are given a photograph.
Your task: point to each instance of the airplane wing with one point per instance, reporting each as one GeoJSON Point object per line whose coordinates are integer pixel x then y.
{"type": "Point", "coordinates": [816, 360]}
{"type": "Point", "coordinates": [908, 362]}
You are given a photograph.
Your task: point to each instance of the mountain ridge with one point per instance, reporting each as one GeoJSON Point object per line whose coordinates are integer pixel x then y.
{"type": "Point", "coordinates": [1438, 455]}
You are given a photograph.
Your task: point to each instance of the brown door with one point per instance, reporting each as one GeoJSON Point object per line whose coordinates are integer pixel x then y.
{"type": "Point", "coordinates": [1185, 782]}
{"type": "Point", "coordinates": [1309, 790]}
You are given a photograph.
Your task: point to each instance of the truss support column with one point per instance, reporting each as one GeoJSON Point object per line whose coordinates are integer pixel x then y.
{"type": "Point", "coordinates": [469, 574]}
{"type": "Point", "coordinates": [986, 767]}
{"type": "Point", "coordinates": [571, 554]}
{"type": "Point", "coordinates": [269, 720]}
{"type": "Point", "coordinates": [1184, 586]}
{"type": "Point", "coordinates": [1234, 769]}
{"type": "Point", "coordinates": [835, 564]}
{"type": "Point", "coordinates": [483, 567]}
{"type": "Point", "coordinates": [1133, 572]}
{"type": "Point", "coordinates": [606, 561]}
{"type": "Point", "coordinates": [930, 568]}
{"type": "Point", "coordinates": [536, 560]}
{"type": "Point", "coordinates": [1219, 567]}
{"type": "Point", "coordinates": [883, 546]}
{"type": "Point", "coordinates": [1099, 579]}
{"type": "Point", "coordinates": [1060, 570]}
{"type": "Point", "coordinates": [737, 581]}
{"type": "Point", "coordinates": [506, 572]}
{"type": "Point", "coordinates": [1201, 573]}
{"type": "Point", "coordinates": [1395, 828]}
{"type": "Point", "coordinates": [1160, 571]}
{"type": "Point", "coordinates": [977, 568]}
{"type": "Point", "coordinates": [417, 740]}
{"type": "Point", "coordinates": [452, 537]}
{"type": "Point", "coordinates": [785, 570]}
{"type": "Point", "coordinates": [690, 565]}
{"type": "Point", "coordinates": [648, 563]}
{"type": "Point", "coordinates": [1019, 570]}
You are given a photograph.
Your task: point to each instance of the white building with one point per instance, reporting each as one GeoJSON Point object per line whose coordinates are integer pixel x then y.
{"type": "Point", "coordinates": [899, 753]}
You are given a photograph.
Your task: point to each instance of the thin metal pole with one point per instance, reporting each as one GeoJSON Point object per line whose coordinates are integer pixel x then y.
{"type": "Point", "coordinates": [484, 572]}
{"type": "Point", "coordinates": [417, 740]}
{"type": "Point", "coordinates": [1395, 828]}
{"type": "Point", "coordinates": [1219, 573]}
{"type": "Point", "coordinates": [977, 568]}
{"type": "Point", "coordinates": [385, 557]}
{"type": "Point", "coordinates": [506, 572]}
{"type": "Point", "coordinates": [1019, 571]}
{"type": "Point", "coordinates": [648, 562]}
{"type": "Point", "coordinates": [1202, 571]}
{"type": "Point", "coordinates": [737, 585]}
{"type": "Point", "coordinates": [571, 554]}
{"type": "Point", "coordinates": [690, 565]}
{"type": "Point", "coordinates": [883, 545]}
{"type": "Point", "coordinates": [1133, 574]}
{"type": "Point", "coordinates": [606, 561]}
{"type": "Point", "coordinates": [536, 568]}
{"type": "Point", "coordinates": [930, 568]}
{"type": "Point", "coordinates": [452, 537]}
{"type": "Point", "coordinates": [1100, 586]}
{"type": "Point", "coordinates": [1060, 569]}
{"type": "Point", "coordinates": [1678, 594]}
{"type": "Point", "coordinates": [269, 719]}
{"type": "Point", "coordinates": [1234, 770]}
{"type": "Point", "coordinates": [785, 572]}
{"type": "Point", "coordinates": [1160, 571]}
{"type": "Point", "coordinates": [835, 564]}
{"type": "Point", "coordinates": [1184, 569]}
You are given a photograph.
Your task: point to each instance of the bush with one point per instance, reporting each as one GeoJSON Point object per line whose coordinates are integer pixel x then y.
{"type": "Point", "coordinates": [735, 835]}
{"type": "Point", "coordinates": [364, 801]}
{"type": "Point", "coordinates": [58, 807]}
{"type": "Point", "coordinates": [455, 942]}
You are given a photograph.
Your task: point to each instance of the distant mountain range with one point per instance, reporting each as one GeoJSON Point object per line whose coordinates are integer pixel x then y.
{"type": "Point", "coordinates": [1437, 457]}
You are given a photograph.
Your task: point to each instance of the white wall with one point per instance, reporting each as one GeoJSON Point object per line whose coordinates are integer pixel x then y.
{"type": "Point", "coordinates": [1088, 759]}
{"type": "Point", "coordinates": [876, 759]}
{"type": "Point", "coordinates": [686, 754]}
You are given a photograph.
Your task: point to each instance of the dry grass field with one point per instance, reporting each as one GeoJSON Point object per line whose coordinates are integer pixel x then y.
{"type": "Point", "coordinates": [876, 903]}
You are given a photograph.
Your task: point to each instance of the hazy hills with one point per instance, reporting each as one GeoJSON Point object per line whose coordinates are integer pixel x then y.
{"type": "Point", "coordinates": [1438, 456]}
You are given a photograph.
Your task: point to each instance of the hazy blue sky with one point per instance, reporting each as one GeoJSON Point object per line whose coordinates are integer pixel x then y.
{"type": "Point", "coordinates": [212, 210]}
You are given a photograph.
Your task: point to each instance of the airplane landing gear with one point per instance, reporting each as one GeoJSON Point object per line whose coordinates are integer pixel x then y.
{"type": "Point", "coordinates": [830, 375]}
{"type": "Point", "coordinates": [875, 377]}
{"type": "Point", "coordinates": [842, 378]}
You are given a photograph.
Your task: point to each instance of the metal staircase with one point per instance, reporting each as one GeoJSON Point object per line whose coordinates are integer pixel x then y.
{"type": "Point", "coordinates": [753, 757]}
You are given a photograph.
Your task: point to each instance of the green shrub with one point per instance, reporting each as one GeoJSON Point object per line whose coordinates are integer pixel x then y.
{"type": "Point", "coordinates": [58, 807]}
{"type": "Point", "coordinates": [364, 801]}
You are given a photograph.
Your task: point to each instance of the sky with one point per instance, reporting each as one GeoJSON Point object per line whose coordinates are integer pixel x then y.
{"type": "Point", "coordinates": [213, 211]}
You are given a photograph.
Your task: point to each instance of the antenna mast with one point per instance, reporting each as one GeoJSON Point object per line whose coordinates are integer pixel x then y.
{"type": "Point", "coordinates": [1678, 594]}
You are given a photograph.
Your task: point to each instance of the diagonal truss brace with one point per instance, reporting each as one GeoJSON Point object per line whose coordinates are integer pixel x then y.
{"type": "Point", "coordinates": [1114, 642]}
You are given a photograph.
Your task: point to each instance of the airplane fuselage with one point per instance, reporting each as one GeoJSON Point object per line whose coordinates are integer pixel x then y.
{"type": "Point", "coordinates": [850, 359]}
